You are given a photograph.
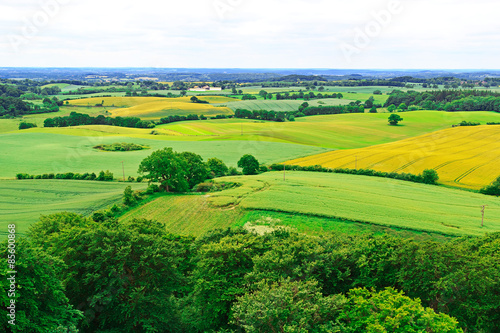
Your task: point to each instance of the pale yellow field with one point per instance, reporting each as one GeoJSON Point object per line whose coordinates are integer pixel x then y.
{"type": "Point", "coordinates": [466, 157]}
{"type": "Point", "coordinates": [157, 107]}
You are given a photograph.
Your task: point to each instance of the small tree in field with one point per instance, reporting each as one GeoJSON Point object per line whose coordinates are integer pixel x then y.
{"type": "Point", "coordinates": [430, 176]}
{"type": "Point", "coordinates": [217, 167]}
{"type": "Point", "coordinates": [394, 119]}
{"type": "Point", "coordinates": [166, 167]}
{"type": "Point", "coordinates": [128, 196]}
{"type": "Point", "coordinates": [249, 164]}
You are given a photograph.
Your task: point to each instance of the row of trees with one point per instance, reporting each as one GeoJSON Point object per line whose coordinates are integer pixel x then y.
{"type": "Point", "coordinates": [428, 176]}
{"type": "Point", "coordinates": [107, 276]}
{"type": "Point", "coordinates": [448, 100]}
{"type": "Point", "coordinates": [103, 176]}
{"type": "Point", "coordinates": [14, 106]}
{"type": "Point", "coordinates": [77, 119]}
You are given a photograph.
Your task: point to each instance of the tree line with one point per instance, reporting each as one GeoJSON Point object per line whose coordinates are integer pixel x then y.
{"type": "Point", "coordinates": [100, 275]}
{"type": "Point", "coordinates": [428, 176]}
{"type": "Point", "coordinates": [77, 119]}
{"type": "Point", "coordinates": [447, 100]}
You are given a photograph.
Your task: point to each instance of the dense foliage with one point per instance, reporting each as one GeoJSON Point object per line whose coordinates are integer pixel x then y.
{"type": "Point", "coordinates": [103, 176]}
{"type": "Point", "coordinates": [123, 146]}
{"type": "Point", "coordinates": [493, 188]}
{"type": "Point", "coordinates": [77, 119]}
{"type": "Point", "coordinates": [428, 176]}
{"type": "Point", "coordinates": [136, 277]}
{"type": "Point", "coordinates": [448, 100]}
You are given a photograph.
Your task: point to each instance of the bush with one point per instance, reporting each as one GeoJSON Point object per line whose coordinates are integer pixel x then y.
{"type": "Point", "coordinates": [492, 189]}
{"type": "Point", "coordinates": [24, 125]}
{"type": "Point", "coordinates": [153, 188]}
{"type": "Point", "coordinates": [233, 172]}
{"type": "Point", "coordinates": [430, 176]}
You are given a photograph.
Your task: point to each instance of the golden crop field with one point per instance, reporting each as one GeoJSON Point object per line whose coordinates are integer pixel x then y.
{"type": "Point", "coordinates": [157, 107]}
{"type": "Point", "coordinates": [467, 157]}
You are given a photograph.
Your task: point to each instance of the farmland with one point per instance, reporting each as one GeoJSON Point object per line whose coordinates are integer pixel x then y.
{"type": "Point", "coordinates": [38, 153]}
{"type": "Point", "coordinates": [24, 201]}
{"type": "Point", "coordinates": [154, 108]}
{"type": "Point", "coordinates": [466, 157]}
{"type": "Point", "coordinates": [281, 105]}
{"type": "Point", "coordinates": [417, 207]}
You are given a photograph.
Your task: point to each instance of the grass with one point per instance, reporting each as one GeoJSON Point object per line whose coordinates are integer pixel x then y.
{"type": "Point", "coordinates": [466, 157]}
{"type": "Point", "coordinates": [23, 201]}
{"type": "Point", "coordinates": [186, 214]}
{"type": "Point", "coordinates": [38, 153]}
{"type": "Point", "coordinates": [385, 202]}
{"type": "Point", "coordinates": [315, 203]}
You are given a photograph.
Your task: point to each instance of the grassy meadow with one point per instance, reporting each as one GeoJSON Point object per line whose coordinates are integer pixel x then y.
{"type": "Point", "coordinates": [466, 157]}
{"type": "Point", "coordinates": [23, 201]}
{"type": "Point", "coordinates": [323, 202]}
{"type": "Point", "coordinates": [38, 153]}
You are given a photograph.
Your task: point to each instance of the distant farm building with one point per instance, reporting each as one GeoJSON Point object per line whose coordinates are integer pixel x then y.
{"type": "Point", "coordinates": [205, 88]}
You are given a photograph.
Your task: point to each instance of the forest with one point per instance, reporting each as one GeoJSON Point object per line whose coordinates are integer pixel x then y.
{"type": "Point", "coordinates": [136, 277]}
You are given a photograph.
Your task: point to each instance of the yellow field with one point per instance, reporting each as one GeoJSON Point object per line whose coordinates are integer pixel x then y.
{"type": "Point", "coordinates": [157, 107]}
{"type": "Point", "coordinates": [466, 157]}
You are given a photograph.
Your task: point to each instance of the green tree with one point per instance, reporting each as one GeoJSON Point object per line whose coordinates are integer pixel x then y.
{"type": "Point", "coordinates": [369, 102]}
{"type": "Point", "coordinates": [196, 171]}
{"type": "Point", "coordinates": [391, 311]}
{"type": "Point", "coordinates": [394, 119]}
{"type": "Point", "coordinates": [288, 307]}
{"type": "Point", "coordinates": [122, 276]}
{"type": "Point", "coordinates": [217, 167]}
{"type": "Point", "coordinates": [194, 99]}
{"type": "Point", "coordinates": [373, 109]}
{"type": "Point", "coordinates": [493, 188]}
{"type": "Point", "coordinates": [391, 108]}
{"type": "Point", "coordinates": [183, 93]}
{"type": "Point", "coordinates": [263, 94]}
{"type": "Point", "coordinates": [303, 106]}
{"type": "Point", "coordinates": [430, 176]}
{"type": "Point", "coordinates": [403, 106]}
{"type": "Point", "coordinates": [41, 304]}
{"type": "Point", "coordinates": [167, 168]}
{"type": "Point", "coordinates": [249, 164]}
{"type": "Point", "coordinates": [128, 196]}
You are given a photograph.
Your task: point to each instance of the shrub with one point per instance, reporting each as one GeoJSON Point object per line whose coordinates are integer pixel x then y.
{"type": "Point", "coordinates": [492, 189]}
{"type": "Point", "coordinates": [152, 189]}
{"type": "Point", "coordinates": [24, 125]}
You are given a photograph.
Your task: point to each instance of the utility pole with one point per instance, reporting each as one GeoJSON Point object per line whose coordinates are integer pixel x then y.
{"type": "Point", "coordinates": [483, 207]}
{"type": "Point", "coordinates": [123, 169]}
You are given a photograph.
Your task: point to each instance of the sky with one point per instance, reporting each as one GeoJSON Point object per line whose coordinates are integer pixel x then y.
{"type": "Point", "coordinates": [355, 34]}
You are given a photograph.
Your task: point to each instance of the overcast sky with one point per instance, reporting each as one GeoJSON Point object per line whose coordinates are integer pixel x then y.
{"type": "Point", "coordinates": [405, 34]}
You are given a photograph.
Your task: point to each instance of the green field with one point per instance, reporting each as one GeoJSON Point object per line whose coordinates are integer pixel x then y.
{"type": "Point", "coordinates": [325, 202]}
{"type": "Point", "coordinates": [341, 131]}
{"type": "Point", "coordinates": [281, 105]}
{"type": "Point", "coordinates": [381, 201]}
{"type": "Point", "coordinates": [23, 201]}
{"type": "Point", "coordinates": [38, 153]}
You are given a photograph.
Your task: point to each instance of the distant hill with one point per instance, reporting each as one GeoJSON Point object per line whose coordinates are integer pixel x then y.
{"type": "Point", "coordinates": [296, 78]}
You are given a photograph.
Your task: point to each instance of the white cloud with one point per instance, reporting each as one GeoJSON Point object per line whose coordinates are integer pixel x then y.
{"type": "Point", "coordinates": [251, 33]}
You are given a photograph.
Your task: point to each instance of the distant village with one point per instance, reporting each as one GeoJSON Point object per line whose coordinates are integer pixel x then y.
{"type": "Point", "coordinates": [205, 88]}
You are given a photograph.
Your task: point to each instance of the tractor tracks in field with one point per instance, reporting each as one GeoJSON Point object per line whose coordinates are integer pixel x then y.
{"type": "Point", "coordinates": [265, 186]}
